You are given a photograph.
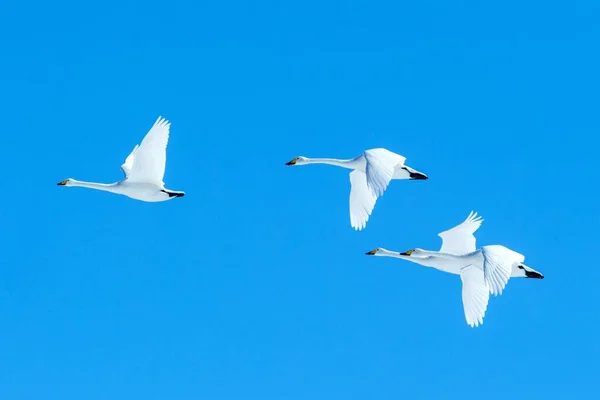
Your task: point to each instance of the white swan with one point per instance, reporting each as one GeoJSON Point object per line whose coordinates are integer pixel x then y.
{"type": "Point", "coordinates": [482, 271]}
{"type": "Point", "coordinates": [144, 169]}
{"type": "Point", "coordinates": [372, 172]}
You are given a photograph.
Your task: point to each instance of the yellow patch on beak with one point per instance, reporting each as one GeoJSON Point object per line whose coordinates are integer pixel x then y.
{"type": "Point", "coordinates": [371, 253]}
{"type": "Point", "coordinates": [293, 162]}
{"type": "Point", "coordinates": [62, 183]}
{"type": "Point", "coordinates": [407, 253]}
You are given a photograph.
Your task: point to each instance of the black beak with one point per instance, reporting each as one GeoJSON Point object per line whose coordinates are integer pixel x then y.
{"type": "Point", "coordinates": [62, 183]}
{"type": "Point", "coordinates": [418, 176]}
{"type": "Point", "coordinates": [404, 254]}
{"type": "Point", "coordinates": [371, 253]}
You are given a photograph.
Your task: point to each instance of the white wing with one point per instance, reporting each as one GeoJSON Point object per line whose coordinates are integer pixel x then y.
{"type": "Point", "coordinates": [381, 164]}
{"type": "Point", "coordinates": [460, 239]}
{"type": "Point", "coordinates": [362, 200]}
{"type": "Point", "coordinates": [475, 294]}
{"type": "Point", "coordinates": [126, 167]}
{"type": "Point", "coordinates": [151, 156]}
{"type": "Point", "coordinates": [497, 266]}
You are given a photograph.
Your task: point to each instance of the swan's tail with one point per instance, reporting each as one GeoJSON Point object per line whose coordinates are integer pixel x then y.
{"type": "Point", "coordinates": [522, 270]}
{"type": "Point", "coordinates": [173, 193]}
{"type": "Point", "coordinates": [407, 172]}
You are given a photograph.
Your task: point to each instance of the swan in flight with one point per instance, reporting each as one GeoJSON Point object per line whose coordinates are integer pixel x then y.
{"type": "Point", "coordinates": [482, 271]}
{"type": "Point", "coordinates": [144, 169]}
{"type": "Point", "coordinates": [371, 174]}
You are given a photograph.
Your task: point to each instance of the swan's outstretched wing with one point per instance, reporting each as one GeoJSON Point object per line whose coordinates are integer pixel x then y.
{"type": "Point", "coordinates": [475, 294]}
{"type": "Point", "coordinates": [497, 266]}
{"type": "Point", "coordinates": [150, 157]}
{"type": "Point", "coordinates": [460, 239]}
{"type": "Point", "coordinates": [381, 164]}
{"type": "Point", "coordinates": [126, 167]}
{"type": "Point", "coordinates": [362, 200]}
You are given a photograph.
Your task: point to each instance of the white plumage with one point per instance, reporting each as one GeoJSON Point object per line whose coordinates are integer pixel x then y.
{"type": "Point", "coordinates": [481, 271]}
{"type": "Point", "coordinates": [372, 173]}
{"type": "Point", "coordinates": [144, 169]}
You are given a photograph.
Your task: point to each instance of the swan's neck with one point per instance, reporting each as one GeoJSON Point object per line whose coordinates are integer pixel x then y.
{"type": "Point", "coordinates": [107, 187]}
{"type": "Point", "coordinates": [417, 260]}
{"type": "Point", "coordinates": [350, 164]}
{"type": "Point", "coordinates": [438, 255]}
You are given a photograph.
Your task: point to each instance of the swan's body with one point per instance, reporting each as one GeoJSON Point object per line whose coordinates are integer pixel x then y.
{"type": "Point", "coordinates": [482, 271]}
{"type": "Point", "coordinates": [372, 172]}
{"type": "Point", "coordinates": [144, 169]}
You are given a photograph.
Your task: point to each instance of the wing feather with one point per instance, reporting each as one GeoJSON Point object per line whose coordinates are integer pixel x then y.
{"type": "Point", "coordinates": [475, 295]}
{"type": "Point", "coordinates": [362, 200]}
{"type": "Point", "coordinates": [460, 239]}
{"type": "Point", "coordinates": [150, 157]}
{"type": "Point", "coordinates": [126, 167]}
{"type": "Point", "coordinates": [497, 266]}
{"type": "Point", "coordinates": [380, 167]}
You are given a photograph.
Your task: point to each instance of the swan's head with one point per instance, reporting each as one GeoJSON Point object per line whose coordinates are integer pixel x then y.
{"type": "Point", "coordinates": [297, 161]}
{"type": "Point", "coordinates": [414, 253]}
{"type": "Point", "coordinates": [66, 182]}
{"type": "Point", "coordinates": [377, 252]}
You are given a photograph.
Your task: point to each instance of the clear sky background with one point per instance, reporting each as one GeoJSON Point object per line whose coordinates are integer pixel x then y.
{"type": "Point", "coordinates": [254, 285]}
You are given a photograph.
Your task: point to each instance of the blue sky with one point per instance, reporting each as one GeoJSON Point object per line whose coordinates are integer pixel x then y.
{"type": "Point", "coordinates": [254, 286]}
